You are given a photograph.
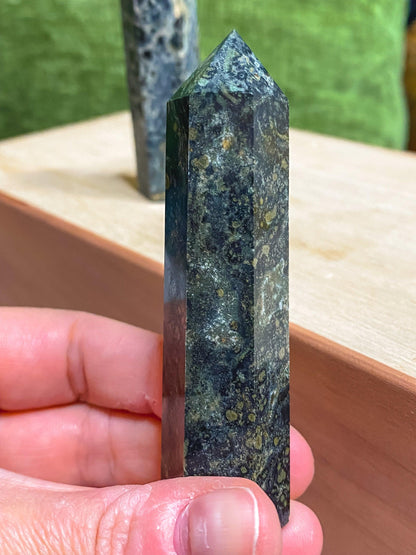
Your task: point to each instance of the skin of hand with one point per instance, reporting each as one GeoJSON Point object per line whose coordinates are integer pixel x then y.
{"type": "Point", "coordinates": [80, 421]}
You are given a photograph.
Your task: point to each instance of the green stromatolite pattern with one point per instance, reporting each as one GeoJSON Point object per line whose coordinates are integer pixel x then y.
{"type": "Point", "coordinates": [226, 355]}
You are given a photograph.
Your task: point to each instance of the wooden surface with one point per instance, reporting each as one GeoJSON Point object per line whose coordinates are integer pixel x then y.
{"type": "Point", "coordinates": [353, 222]}
{"type": "Point", "coordinates": [359, 416]}
{"type": "Point", "coordinates": [352, 281]}
{"type": "Point", "coordinates": [47, 262]}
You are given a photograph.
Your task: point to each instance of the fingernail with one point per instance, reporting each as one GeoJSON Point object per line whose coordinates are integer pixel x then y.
{"type": "Point", "coordinates": [224, 521]}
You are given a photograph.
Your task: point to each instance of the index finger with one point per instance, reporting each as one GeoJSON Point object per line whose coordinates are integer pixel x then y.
{"type": "Point", "coordinates": [55, 357]}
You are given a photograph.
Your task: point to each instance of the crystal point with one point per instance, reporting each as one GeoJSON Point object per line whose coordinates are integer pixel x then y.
{"type": "Point", "coordinates": [161, 46]}
{"type": "Point", "coordinates": [226, 349]}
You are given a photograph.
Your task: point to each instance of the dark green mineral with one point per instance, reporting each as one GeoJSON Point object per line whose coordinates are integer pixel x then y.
{"type": "Point", "coordinates": [161, 45]}
{"type": "Point", "coordinates": [226, 349]}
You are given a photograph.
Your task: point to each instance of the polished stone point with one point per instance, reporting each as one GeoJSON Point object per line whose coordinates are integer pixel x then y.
{"type": "Point", "coordinates": [226, 333]}
{"type": "Point", "coordinates": [161, 47]}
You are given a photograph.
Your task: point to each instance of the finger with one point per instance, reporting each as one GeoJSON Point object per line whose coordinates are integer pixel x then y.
{"type": "Point", "coordinates": [86, 445]}
{"type": "Point", "coordinates": [54, 357]}
{"type": "Point", "coordinates": [302, 465]}
{"type": "Point", "coordinates": [81, 444]}
{"type": "Point", "coordinates": [302, 535]}
{"type": "Point", "coordinates": [187, 516]}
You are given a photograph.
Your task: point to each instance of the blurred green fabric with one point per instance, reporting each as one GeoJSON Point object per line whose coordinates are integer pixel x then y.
{"type": "Point", "coordinates": [340, 63]}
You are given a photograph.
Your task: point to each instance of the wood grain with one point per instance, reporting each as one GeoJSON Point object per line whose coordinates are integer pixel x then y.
{"type": "Point", "coordinates": [352, 219]}
{"type": "Point", "coordinates": [360, 418]}
{"type": "Point", "coordinates": [358, 415]}
{"type": "Point", "coordinates": [46, 262]}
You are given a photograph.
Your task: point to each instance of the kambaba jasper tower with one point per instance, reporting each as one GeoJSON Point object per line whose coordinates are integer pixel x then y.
{"type": "Point", "coordinates": [226, 340]}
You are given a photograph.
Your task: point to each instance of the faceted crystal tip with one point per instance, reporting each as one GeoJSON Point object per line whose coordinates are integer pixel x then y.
{"type": "Point", "coordinates": [230, 68]}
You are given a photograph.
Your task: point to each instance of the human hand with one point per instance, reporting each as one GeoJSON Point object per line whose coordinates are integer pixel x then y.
{"type": "Point", "coordinates": [80, 409]}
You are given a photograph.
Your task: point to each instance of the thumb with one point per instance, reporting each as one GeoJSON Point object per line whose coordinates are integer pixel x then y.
{"type": "Point", "coordinates": [183, 516]}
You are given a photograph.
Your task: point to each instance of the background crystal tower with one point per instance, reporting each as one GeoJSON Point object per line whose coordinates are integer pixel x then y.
{"type": "Point", "coordinates": [226, 350]}
{"type": "Point", "coordinates": [161, 45]}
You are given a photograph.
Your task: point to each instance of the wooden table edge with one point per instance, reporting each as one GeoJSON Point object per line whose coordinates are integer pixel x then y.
{"type": "Point", "coordinates": [307, 337]}
{"type": "Point", "coordinates": [81, 233]}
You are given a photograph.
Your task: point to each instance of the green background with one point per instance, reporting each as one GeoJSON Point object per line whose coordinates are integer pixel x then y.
{"type": "Point", "coordinates": [340, 63]}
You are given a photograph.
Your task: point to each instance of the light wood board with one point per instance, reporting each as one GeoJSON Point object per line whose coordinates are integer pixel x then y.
{"type": "Point", "coordinates": [353, 223]}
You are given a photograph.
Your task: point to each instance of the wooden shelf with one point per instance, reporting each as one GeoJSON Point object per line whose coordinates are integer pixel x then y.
{"type": "Point", "coordinates": [75, 233]}
{"type": "Point", "coordinates": [352, 223]}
